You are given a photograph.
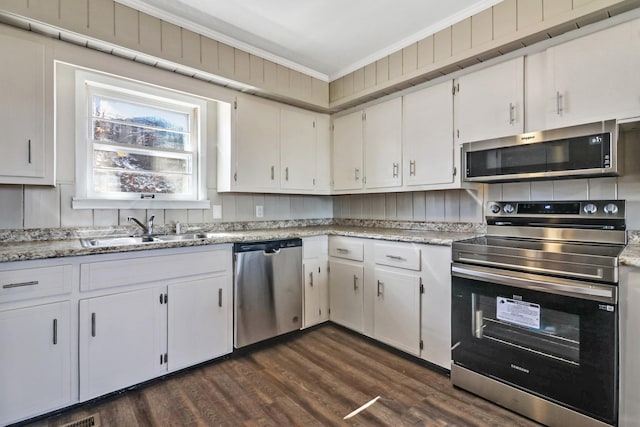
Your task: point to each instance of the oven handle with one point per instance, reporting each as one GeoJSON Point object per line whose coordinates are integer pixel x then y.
{"type": "Point", "coordinates": [570, 288]}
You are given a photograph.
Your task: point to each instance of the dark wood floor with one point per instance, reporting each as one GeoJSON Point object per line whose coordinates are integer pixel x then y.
{"type": "Point", "coordinates": [313, 379]}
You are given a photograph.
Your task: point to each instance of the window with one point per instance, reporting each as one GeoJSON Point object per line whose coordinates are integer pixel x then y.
{"type": "Point", "coordinates": [137, 145]}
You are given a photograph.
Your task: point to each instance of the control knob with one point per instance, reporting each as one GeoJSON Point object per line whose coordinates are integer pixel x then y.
{"type": "Point", "coordinates": [590, 208]}
{"type": "Point", "coordinates": [508, 208]}
{"type": "Point", "coordinates": [495, 209]}
{"type": "Point", "coordinates": [611, 208]}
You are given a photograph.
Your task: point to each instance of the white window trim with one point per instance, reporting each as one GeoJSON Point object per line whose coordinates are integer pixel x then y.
{"type": "Point", "coordinates": [84, 153]}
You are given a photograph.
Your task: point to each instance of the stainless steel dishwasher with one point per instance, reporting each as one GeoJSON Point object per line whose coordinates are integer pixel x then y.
{"type": "Point", "coordinates": [267, 290]}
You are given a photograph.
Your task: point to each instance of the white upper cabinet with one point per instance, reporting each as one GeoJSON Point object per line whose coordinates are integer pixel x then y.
{"type": "Point", "coordinates": [489, 103]}
{"type": "Point", "coordinates": [594, 78]}
{"type": "Point", "coordinates": [26, 112]}
{"type": "Point", "coordinates": [297, 145]}
{"type": "Point", "coordinates": [257, 146]}
{"type": "Point", "coordinates": [275, 149]}
{"type": "Point", "coordinates": [383, 144]}
{"type": "Point", "coordinates": [347, 152]}
{"type": "Point", "coordinates": [427, 137]}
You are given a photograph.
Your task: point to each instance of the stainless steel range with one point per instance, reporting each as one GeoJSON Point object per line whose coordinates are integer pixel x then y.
{"type": "Point", "coordinates": [534, 310]}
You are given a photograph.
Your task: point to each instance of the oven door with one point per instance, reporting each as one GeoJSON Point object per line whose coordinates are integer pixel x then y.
{"type": "Point", "coordinates": [551, 337]}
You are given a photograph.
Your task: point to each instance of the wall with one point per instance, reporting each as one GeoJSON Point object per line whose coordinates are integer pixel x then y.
{"type": "Point", "coordinates": [26, 207]}
{"type": "Point", "coordinates": [468, 206]}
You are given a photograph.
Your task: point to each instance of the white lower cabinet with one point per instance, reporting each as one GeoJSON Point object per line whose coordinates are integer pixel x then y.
{"type": "Point", "coordinates": [120, 341]}
{"type": "Point", "coordinates": [153, 326]}
{"type": "Point", "coordinates": [199, 318]}
{"type": "Point", "coordinates": [346, 293]}
{"type": "Point", "coordinates": [35, 360]}
{"type": "Point", "coordinates": [316, 291]}
{"type": "Point", "coordinates": [397, 309]}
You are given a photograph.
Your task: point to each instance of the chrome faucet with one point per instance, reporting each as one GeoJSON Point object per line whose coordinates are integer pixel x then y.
{"type": "Point", "coordinates": [146, 230]}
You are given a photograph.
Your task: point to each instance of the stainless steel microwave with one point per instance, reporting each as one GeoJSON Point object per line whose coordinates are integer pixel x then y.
{"type": "Point", "coordinates": [577, 151]}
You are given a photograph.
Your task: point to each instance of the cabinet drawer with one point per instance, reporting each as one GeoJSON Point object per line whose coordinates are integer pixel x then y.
{"type": "Point", "coordinates": [35, 282]}
{"type": "Point", "coordinates": [346, 248]}
{"type": "Point", "coordinates": [394, 255]}
{"type": "Point", "coordinates": [131, 271]}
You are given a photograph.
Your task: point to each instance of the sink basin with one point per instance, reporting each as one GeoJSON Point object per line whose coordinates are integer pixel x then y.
{"type": "Point", "coordinates": [115, 241]}
{"type": "Point", "coordinates": [179, 237]}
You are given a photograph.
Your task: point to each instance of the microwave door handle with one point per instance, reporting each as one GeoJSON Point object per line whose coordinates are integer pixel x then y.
{"type": "Point", "coordinates": [575, 289]}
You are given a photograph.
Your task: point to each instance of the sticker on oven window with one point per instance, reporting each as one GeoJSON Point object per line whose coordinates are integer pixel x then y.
{"type": "Point", "coordinates": [521, 313]}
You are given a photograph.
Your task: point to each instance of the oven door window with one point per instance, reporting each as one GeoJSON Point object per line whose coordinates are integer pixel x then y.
{"type": "Point", "coordinates": [527, 326]}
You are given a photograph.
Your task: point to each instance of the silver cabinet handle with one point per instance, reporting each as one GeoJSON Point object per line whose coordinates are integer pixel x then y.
{"type": "Point", "coordinates": [93, 324]}
{"type": "Point", "coordinates": [559, 108]}
{"type": "Point", "coordinates": [55, 331]}
{"type": "Point", "coordinates": [220, 297]}
{"type": "Point", "coordinates": [357, 174]}
{"type": "Point", "coordinates": [412, 168]}
{"type": "Point", "coordinates": [380, 285]}
{"type": "Point", "coordinates": [512, 115]}
{"type": "Point", "coordinates": [18, 285]}
{"type": "Point", "coordinates": [395, 257]}
{"type": "Point", "coordinates": [29, 153]}
{"type": "Point", "coordinates": [311, 279]}
{"type": "Point", "coordinates": [355, 282]}
{"type": "Point", "coordinates": [396, 170]}
{"type": "Point", "coordinates": [286, 173]}
{"type": "Point", "coordinates": [342, 251]}
{"type": "Point", "coordinates": [273, 173]}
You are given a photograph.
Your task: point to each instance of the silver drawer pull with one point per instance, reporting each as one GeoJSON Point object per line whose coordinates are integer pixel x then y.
{"type": "Point", "coordinates": [18, 285]}
{"type": "Point", "coordinates": [342, 251]}
{"type": "Point", "coordinates": [93, 324]}
{"type": "Point", "coordinates": [395, 257]}
{"type": "Point", "coordinates": [55, 331]}
{"type": "Point", "coordinates": [311, 279]}
{"type": "Point", "coordinates": [219, 297]}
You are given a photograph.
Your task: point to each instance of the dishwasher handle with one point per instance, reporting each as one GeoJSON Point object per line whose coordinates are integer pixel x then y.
{"type": "Point", "coordinates": [271, 251]}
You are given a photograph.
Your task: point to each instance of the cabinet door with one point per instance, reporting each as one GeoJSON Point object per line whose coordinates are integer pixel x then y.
{"type": "Point", "coordinates": [298, 150]}
{"type": "Point", "coordinates": [199, 321]}
{"type": "Point", "coordinates": [120, 341]}
{"type": "Point", "coordinates": [427, 140]}
{"type": "Point", "coordinates": [397, 309]}
{"type": "Point", "coordinates": [595, 77]}
{"type": "Point", "coordinates": [22, 109]}
{"type": "Point", "coordinates": [346, 296]}
{"type": "Point", "coordinates": [436, 305]}
{"type": "Point", "coordinates": [35, 360]}
{"type": "Point", "coordinates": [323, 154]}
{"type": "Point", "coordinates": [316, 292]}
{"type": "Point", "coordinates": [383, 144]}
{"type": "Point", "coordinates": [257, 145]}
{"type": "Point", "coordinates": [489, 103]}
{"type": "Point", "coordinates": [347, 152]}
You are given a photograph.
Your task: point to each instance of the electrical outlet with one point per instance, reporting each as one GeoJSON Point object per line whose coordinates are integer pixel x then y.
{"type": "Point", "coordinates": [217, 211]}
{"type": "Point", "coordinates": [259, 211]}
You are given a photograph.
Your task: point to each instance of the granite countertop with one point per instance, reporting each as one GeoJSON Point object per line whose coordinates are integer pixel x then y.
{"type": "Point", "coordinates": [39, 249]}
{"type": "Point", "coordinates": [631, 255]}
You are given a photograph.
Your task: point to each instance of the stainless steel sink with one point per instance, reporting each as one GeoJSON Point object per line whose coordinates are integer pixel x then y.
{"type": "Point", "coordinates": [101, 242]}
{"type": "Point", "coordinates": [180, 237]}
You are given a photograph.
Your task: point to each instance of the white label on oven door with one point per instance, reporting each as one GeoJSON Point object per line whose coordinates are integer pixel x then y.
{"type": "Point", "coordinates": [521, 313]}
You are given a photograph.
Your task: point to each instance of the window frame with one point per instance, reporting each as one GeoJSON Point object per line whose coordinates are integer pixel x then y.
{"type": "Point", "coordinates": [89, 83]}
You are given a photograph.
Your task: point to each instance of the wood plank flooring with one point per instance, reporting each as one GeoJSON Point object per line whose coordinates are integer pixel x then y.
{"type": "Point", "coordinates": [313, 379]}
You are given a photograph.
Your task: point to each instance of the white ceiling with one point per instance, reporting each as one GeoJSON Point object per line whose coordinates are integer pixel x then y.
{"type": "Point", "coordinates": [324, 38]}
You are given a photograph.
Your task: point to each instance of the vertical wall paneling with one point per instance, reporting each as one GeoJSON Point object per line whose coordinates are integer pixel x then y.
{"type": "Point", "coordinates": [410, 58]}
{"type": "Point", "coordinates": [45, 10]}
{"type": "Point", "coordinates": [319, 91]}
{"type": "Point", "coordinates": [425, 52]}
{"type": "Point", "coordinates": [516, 191]}
{"type": "Point", "coordinates": [603, 188]}
{"type": "Point", "coordinates": [529, 13]}
{"type": "Point", "coordinates": [172, 216]}
{"type": "Point", "coordinates": [347, 85]}
{"type": "Point", "coordinates": [482, 27]}
{"type": "Point", "coordinates": [159, 216]}
{"type": "Point", "coordinates": [540, 190]}
{"type": "Point", "coordinates": [101, 19]}
{"type": "Point", "coordinates": [358, 80]}
{"type": "Point", "coordinates": [11, 208]}
{"type": "Point", "coordinates": [74, 15]}
{"type": "Point", "coordinates": [419, 206]}
{"type": "Point", "coordinates": [283, 79]}
{"type": "Point", "coordinates": [452, 206]}
{"type": "Point", "coordinates": [338, 88]}
{"type": "Point", "coordinates": [270, 75]}
{"type": "Point", "coordinates": [226, 60]}
{"type": "Point", "coordinates": [435, 205]}
{"type": "Point", "coordinates": [171, 41]}
{"type": "Point", "coordinates": [195, 216]}
{"type": "Point", "coordinates": [395, 65]}
{"type": "Point", "coordinates": [571, 189]}
{"type": "Point", "coordinates": [70, 217]}
{"type": "Point", "coordinates": [242, 65]}
{"type": "Point", "coordinates": [256, 70]}
{"type": "Point", "coordinates": [505, 19]}
{"type": "Point", "coordinates": [494, 192]}
{"type": "Point", "coordinates": [209, 53]}
{"type": "Point", "coordinates": [126, 26]}
{"type": "Point", "coordinates": [552, 8]}
{"type": "Point", "coordinates": [41, 207]}
{"type": "Point", "coordinates": [370, 75]}
{"type": "Point", "coordinates": [150, 34]}
{"type": "Point", "coordinates": [461, 37]}
{"type": "Point", "coordinates": [391, 208]}
{"type": "Point", "coordinates": [191, 49]}
{"type": "Point", "coordinates": [105, 217]}
{"type": "Point", "coordinates": [404, 206]}
{"type": "Point", "coordinates": [442, 45]}
{"type": "Point", "coordinates": [382, 70]}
